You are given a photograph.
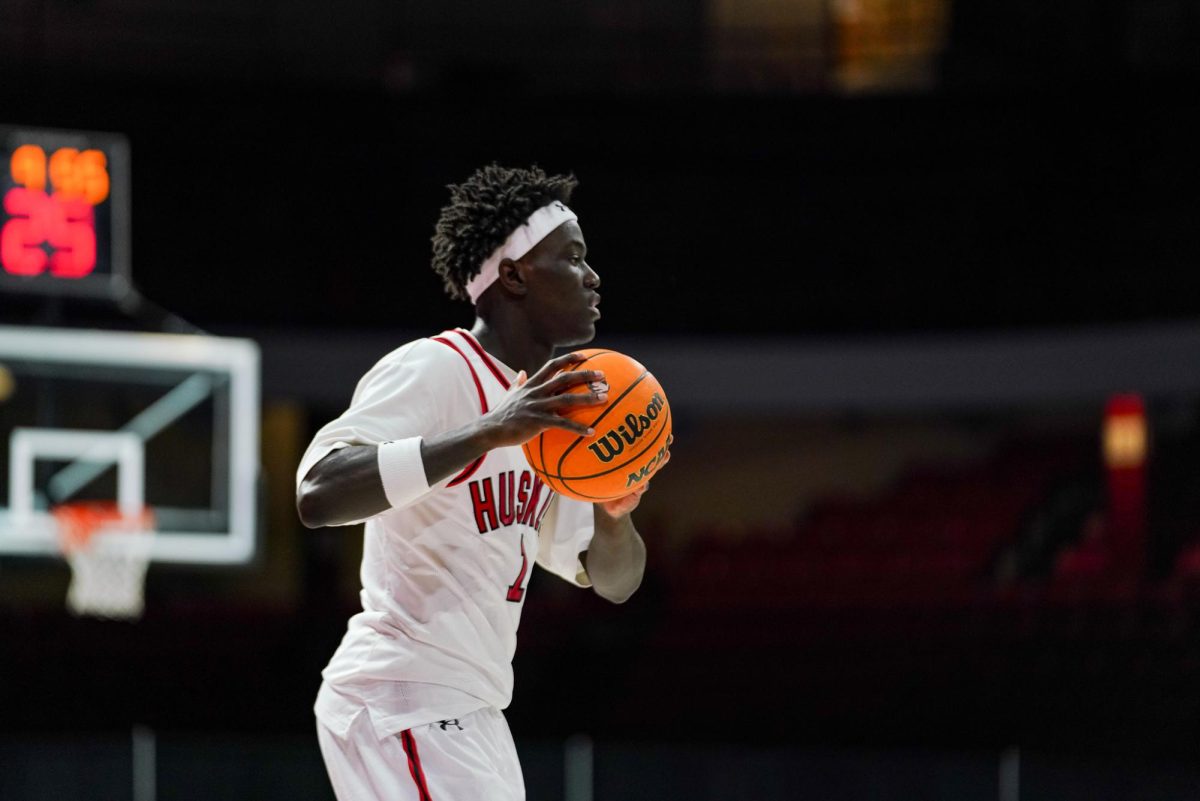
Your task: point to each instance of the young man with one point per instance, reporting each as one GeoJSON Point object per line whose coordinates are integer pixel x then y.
{"type": "Point", "coordinates": [428, 454]}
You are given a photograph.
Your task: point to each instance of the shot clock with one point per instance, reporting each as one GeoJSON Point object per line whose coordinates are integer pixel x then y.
{"type": "Point", "coordinates": [64, 211]}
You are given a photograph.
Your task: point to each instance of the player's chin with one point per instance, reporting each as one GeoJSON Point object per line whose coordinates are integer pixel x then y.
{"type": "Point", "coordinates": [582, 334]}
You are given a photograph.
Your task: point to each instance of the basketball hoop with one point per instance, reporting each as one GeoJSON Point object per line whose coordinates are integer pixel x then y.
{"type": "Point", "coordinates": [108, 552]}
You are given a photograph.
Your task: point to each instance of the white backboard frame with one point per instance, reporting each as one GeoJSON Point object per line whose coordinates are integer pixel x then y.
{"type": "Point", "coordinates": [25, 530]}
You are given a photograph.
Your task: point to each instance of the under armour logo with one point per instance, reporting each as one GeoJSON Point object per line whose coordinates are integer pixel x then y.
{"type": "Point", "coordinates": [451, 722]}
{"type": "Point", "coordinates": [559, 206]}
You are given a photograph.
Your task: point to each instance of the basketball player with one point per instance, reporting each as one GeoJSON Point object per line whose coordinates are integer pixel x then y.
{"type": "Point", "coordinates": [428, 454]}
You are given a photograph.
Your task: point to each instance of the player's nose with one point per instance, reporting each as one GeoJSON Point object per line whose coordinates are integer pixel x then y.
{"type": "Point", "coordinates": [591, 278]}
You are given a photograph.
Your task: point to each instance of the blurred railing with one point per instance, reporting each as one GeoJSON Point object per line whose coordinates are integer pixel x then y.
{"type": "Point", "coordinates": [266, 767]}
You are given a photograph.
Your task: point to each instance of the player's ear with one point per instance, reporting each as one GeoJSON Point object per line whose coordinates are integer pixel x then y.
{"type": "Point", "coordinates": [512, 276]}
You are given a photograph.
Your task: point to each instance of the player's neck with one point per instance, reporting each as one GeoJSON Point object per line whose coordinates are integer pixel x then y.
{"type": "Point", "coordinates": [512, 344]}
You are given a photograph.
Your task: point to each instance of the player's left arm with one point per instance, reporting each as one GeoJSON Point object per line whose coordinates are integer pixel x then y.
{"type": "Point", "coordinates": [616, 558]}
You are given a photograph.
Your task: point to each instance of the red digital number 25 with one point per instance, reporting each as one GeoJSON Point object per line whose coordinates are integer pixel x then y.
{"type": "Point", "coordinates": [67, 225]}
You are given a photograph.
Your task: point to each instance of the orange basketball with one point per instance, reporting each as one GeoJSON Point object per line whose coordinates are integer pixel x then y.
{"type": "Point", "coordinates": [631, 434]}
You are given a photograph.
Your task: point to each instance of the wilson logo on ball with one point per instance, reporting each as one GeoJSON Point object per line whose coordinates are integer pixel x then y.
{"type": "Point", "coordinates": [633, 432]}
{"type": "Point", "coordinates": [613, 442]}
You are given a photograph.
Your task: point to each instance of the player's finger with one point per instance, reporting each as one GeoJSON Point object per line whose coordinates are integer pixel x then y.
{"type": "Point", "coordinates": [566, 423]}
{"type": "Point", "coordinates": [554, 365]}
{"type": "Point", "coordinates": [520, 380]}
{"type": "Point", "coordinates": [564, 381]}
{"type": "Point", "coordinates": [572, 399]}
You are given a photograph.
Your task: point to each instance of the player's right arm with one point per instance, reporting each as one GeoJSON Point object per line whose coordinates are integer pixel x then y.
{"type": "Point", "coordinates": [347, 484]}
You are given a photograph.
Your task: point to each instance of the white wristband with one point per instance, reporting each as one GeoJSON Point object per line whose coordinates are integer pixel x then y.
{"type": "Point", "coordinates": [402, 471]}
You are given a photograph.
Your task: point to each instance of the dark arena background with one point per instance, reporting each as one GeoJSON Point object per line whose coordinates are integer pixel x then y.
{"type": "Point", "coordinates": [918, 277]}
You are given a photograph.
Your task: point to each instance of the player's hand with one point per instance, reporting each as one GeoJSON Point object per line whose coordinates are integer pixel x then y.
{"type": "Point", "coordinates": [626, 504]}
{"type": "Point", "coordinates": [536, 403]}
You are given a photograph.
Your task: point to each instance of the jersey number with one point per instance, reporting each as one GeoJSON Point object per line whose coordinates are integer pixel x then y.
{"type": "Point", "coordinates": [515, 590]}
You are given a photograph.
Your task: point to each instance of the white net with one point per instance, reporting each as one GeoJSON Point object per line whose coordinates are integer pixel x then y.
{"type": "Point", "coordinates": [108, 554]}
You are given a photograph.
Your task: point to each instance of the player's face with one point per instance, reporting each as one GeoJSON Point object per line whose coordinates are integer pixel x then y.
{"type": "Point", "coordinates": [562, 296]}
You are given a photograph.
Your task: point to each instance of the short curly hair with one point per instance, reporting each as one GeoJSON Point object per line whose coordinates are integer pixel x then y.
{"type": "Point", "coordinates": [483, 211]}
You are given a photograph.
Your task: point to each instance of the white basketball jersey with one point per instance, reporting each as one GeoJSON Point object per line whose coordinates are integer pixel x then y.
{"type": "Point", "coordinates": [444, 577]}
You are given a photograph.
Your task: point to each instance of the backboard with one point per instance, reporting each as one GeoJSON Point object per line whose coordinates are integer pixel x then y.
{"type": "Point", "coordinates": [165, 421]}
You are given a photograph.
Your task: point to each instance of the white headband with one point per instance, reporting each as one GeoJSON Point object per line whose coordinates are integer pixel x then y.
{"type": "Point", "coordinates": [519, 242]}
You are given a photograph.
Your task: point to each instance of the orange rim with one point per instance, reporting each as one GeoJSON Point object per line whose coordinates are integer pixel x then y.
{"type": "Point", "coordinates": [79, 521]}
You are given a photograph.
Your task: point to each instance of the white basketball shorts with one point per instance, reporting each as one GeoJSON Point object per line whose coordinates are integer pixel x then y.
{"type": "Point", "coordinates": [472, 758]}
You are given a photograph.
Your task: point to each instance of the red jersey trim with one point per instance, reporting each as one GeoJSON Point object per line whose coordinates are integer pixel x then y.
{"type": "Point", "coordinates": [483, 354]}
{"type": "Point", "coordinates": [470, 469]}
